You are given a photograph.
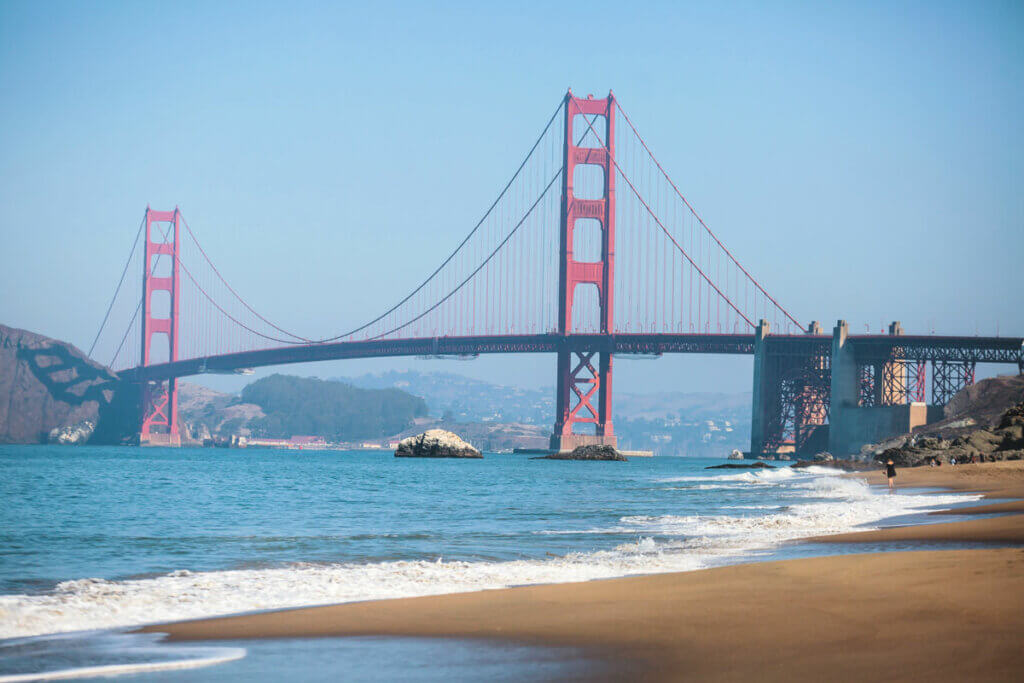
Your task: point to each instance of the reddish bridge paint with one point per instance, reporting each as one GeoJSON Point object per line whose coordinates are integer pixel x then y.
{"type": "Point", "coordinates": [160, 401]}
{"type": "Point", "coordinates": [579, 381]}
{"type": "Point", "coordinates": [535, 275]}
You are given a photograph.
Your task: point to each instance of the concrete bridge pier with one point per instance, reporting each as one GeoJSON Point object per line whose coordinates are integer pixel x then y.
{"type": "Point", "coordinates": [791, 391]}
{"type": "Point", "coordinates": [875, 397]}
{"type": "Point", "coordinates": [845, 386]}
{"type": "Point", "coordinates": [761, 392]}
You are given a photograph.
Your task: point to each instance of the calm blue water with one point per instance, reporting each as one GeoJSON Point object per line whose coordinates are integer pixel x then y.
{"type": "Point", "coordinates": [108, 538]}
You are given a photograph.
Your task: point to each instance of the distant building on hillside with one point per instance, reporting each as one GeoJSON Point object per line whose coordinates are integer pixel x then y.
{"type": "Point", "coordinates": [307, 441]}
{"type": "Point", "coordinates": [293, 443]}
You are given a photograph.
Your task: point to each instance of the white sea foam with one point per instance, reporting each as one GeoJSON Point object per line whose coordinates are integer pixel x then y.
{"type": "Point", "coordinates": [820, 504]}
{"type": "Point", "coordinates": [223, 656]}
{"type": "Point", "coordinates": [91, 654]}
{"type": "Point", "coordinates": [96, 603]}
{"type": "Point", "coordinates": [751, 476]}
{"type": "Point", "coordinates": [814, 504]}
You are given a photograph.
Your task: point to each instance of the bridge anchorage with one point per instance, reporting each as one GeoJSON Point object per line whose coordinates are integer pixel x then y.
{"type": "Point", "coordinates": [618, 262]}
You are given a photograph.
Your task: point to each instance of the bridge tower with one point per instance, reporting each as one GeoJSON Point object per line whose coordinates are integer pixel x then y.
{"type": "Point", "coordinates": [160, 274]}
{"type": "Point", "coordinates": [579, 381]}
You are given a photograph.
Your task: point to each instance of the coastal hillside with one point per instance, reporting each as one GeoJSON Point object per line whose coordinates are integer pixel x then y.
{"type": "Point", "coordinates": [983, 422]}
{"type": "Point", "coordinates": [281, 406]}
{"type": "Point", "coordinates": [211, 414]}
{"type": "Point", "coordinates": [333, 410]}
{"type": "Point", "coordinates": [667, 423]}
{"type": "Point", "coordinates": [459, 398]}
{"type": "Point", "coordinates": [208, 414]}
{"type": "Point", "coordinates": [472, 400]}
{"type": "Point", "coordinates": [982, 404]}
{"type": "Point", "coordinates": [492, 417]}
{"type": "Point", "coordinates": [48, 385]}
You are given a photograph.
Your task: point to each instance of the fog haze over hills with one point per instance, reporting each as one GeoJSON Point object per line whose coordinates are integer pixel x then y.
{"type": "Point", "coordinates": [475, 399]}
{"type": "Point", "coordinates": [671, 423]}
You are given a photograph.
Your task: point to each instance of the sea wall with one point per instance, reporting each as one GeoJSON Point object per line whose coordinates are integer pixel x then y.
{"type": "Point", "coordinates": [876, 423]}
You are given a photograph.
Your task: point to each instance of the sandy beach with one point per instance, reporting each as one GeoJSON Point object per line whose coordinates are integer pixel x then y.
{"type": "Point", "coordinates": [916, 615]}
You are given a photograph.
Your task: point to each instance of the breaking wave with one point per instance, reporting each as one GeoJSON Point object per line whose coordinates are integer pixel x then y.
{"type": "Point", "coordinates": [809, 503]}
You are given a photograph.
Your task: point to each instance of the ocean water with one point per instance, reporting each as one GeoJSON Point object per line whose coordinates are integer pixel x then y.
{"type": "Point", "coordinates": [94, 541]}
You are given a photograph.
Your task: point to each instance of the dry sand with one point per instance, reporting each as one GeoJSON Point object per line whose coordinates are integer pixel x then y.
{"type": "Point", "coordinates": [939, 615]}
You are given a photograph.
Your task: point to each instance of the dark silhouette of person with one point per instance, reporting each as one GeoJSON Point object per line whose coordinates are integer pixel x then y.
{"type": "Point", "coordinates": [890, 474]}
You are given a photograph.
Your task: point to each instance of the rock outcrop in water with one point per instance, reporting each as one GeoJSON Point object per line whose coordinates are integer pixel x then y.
{"type": "Point", "coordinates": [436, 443]}
{"type": "Point", "coordinates": [71, 435]}
{"type": "Point", "coordinates": [587, 453]}
{"type": "Point", "coordinates": [48, 385]}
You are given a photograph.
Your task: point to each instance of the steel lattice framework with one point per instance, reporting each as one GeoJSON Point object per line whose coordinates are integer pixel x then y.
{"type": "Point", "coordinates": [950, 377]}
{"type": "Point", "coordinates": [957, 349]}
{"type": "Point", "coordinates": [798, 372]}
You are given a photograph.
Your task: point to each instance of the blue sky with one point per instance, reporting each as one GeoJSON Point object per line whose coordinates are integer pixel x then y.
{"type": "Point", "coordinates": [864, 160]}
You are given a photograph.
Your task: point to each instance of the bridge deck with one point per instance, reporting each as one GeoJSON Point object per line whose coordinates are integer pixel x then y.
{"type": "Point", "coordinates": [867, 347]}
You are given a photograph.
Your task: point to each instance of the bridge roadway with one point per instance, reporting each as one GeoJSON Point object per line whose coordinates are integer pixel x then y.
{"type": "Point", "coordinates": [867, 348]}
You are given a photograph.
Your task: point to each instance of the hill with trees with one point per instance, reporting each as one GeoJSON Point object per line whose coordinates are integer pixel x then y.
{"type": "Point", "coordinates": [334, 410]}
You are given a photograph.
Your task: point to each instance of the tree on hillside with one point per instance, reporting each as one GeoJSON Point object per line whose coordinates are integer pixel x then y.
{"type": "Point", "coordinates": [333, 410]}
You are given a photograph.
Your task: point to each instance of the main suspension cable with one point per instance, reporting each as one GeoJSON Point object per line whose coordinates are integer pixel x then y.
{"type": "Point", "coordinates": [701, 220]}
{"type": "Point", "coordinates": [232, 290]}
{"type": "Point", "coordinates": [461, 244]}
{"type": "Point", "coordinates": [481, 266]}
{"type": "Point", "coordinates": [138, 307]}
{"type": "Point", "coordinates": [120, 282]}
{"type": "Point", "coordinates": [658, 221]}
{"type": "Point", "coordinates": [529, 211]}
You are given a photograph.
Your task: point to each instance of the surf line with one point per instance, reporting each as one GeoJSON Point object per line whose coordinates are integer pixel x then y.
{"type": "Point", "coordinates": [229, 655]}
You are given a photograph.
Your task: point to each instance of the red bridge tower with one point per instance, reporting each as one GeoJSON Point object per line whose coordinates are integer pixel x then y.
{"type": "Point", "coordinates": [579, 382]}
{"type": "Point", "coordinates": [160, 399]}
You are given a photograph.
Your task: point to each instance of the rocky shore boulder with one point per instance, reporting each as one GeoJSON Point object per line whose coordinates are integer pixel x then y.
{"type": "Point", "coordinates": [436, 443]}
{"type": "Point", "coordinates": [837, 464]}
{"type": "Point", "coordinates": [1004, 441]}
{"type": "Point", "coordinates": [983, 422]}
{"type": "Point", "coordinates": [75, 434]}
{"type": "Point", "coordinates": [587, 453]}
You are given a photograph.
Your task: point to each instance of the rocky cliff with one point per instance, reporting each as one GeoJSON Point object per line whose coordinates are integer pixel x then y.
{"type": "Point", "coordinates": [983, 422]}
{"type": "Point", "coordinates": [48, 385]}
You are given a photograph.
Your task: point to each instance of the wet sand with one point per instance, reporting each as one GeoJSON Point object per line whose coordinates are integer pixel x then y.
{"type": "Point", "coordinates": [994, 480]}
{"type": "Point", "coordinates": [935, 615]}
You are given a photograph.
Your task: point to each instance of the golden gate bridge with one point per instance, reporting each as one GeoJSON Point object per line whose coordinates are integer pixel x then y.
{"type": "Point", "coordinates": [590, 250]}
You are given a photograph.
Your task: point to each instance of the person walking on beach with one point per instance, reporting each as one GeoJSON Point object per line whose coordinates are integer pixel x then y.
{"type": "Point", "coordinates": [890, 474]}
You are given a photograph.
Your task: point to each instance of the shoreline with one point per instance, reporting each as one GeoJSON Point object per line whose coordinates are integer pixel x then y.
{"type": "Point", "coordinates": [998, 480]}
{"type": "Point", "coordinates": [942, 614]}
